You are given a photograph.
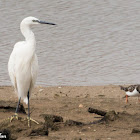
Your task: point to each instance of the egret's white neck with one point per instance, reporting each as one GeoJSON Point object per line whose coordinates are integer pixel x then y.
{"type": "Point", "coordinates": [28, 34]}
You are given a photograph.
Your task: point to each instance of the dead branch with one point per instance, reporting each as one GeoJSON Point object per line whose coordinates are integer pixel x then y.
{"type": "Point", "coordinates": [96, 111]}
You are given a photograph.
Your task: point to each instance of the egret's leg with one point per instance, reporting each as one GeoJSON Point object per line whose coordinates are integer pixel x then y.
{"type": "Point", "coordinates": [18, 105]}
{"type": "Point", "coordinates": [16, 115]}
{"type": "Point", "coordinates": [29, 119]}
{"type": "Point", "coordinates": [28, 110]}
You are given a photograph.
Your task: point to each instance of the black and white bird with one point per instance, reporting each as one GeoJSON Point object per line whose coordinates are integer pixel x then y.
{"type": "Point", "coordinates": [132, 90]}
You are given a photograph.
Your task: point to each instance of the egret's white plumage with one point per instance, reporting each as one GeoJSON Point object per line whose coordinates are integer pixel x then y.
{"type": "Point", "coordinates": [23, 62]}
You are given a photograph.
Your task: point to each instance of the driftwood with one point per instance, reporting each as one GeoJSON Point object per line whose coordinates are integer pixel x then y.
{"type": "Point", "coordinates": [108, 116]}
{"type": "Point", "coordinates": [97, 111]}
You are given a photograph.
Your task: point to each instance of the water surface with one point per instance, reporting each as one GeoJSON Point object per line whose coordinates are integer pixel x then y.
{"type": "Point", "coordinates": [94, 42]}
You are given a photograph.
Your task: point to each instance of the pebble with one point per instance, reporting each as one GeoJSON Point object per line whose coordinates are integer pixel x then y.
{"type": "Point", "coordinates": [80, 105]}
{"type": "Point", "coordinates": [41, 90]}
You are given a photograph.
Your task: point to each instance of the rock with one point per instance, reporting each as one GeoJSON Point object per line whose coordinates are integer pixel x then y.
{"type": "Point", "coordinates": [110, 116]}
{"type": "Point", "coordinates": [136, 130]}
{"type": "Point", "coordinates": [80, 105]}
{"type": "Point", "coordinates": [52, 118]}
{"type": "Point", "coordinates": [41, 90]}
{"type": "Point", "coordinates": [52, 121]}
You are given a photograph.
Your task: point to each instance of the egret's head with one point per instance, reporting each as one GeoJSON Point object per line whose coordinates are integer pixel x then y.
{"type": "Point", "coordinates": [32, 20]}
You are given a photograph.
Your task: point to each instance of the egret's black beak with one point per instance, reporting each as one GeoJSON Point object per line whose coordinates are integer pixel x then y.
{"type": "Point", "coordinates": [44, 22]}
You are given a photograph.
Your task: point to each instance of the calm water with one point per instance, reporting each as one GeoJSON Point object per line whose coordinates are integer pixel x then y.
{"type": "Point", "coordinates": [94, 42]}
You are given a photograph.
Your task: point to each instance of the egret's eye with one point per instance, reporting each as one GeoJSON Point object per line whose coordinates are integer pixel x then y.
{"type": "Point", "coordinates": [35, 20]}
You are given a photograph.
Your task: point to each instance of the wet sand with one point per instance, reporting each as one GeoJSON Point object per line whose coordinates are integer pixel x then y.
{"type": "Point", "coordinates": [72, 103]}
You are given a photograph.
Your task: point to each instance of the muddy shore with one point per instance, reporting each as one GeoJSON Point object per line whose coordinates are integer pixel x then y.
{"type": "Point", "coordinates": [72, 103]}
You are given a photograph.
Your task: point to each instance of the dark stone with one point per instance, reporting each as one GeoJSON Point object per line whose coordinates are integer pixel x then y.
{"type": "Point", "coordinates": [52, 118]}
{"type": "Point", "coordinates": [52, 121]}
{"type": "Point", "coordinates": [136, 130]}
{"type": "Point", "coordinates": [110, 116]}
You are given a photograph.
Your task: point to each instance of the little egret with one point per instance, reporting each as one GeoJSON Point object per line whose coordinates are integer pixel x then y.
{"type": "Point", "coordinates": [23, 64]}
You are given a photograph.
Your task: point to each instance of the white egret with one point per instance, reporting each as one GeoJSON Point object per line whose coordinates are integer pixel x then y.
{"type": "Point", "coordinates": [23, 64]}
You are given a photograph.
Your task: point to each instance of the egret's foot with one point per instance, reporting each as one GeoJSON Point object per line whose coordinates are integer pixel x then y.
{"type": "Point", "coordinates": [12, 117]}
{"type": "Point", "coordinates": [29, 121]}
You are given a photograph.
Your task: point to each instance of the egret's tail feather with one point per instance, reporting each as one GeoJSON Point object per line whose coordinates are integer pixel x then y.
{"type": "Point", "coordinates": [25, 100]}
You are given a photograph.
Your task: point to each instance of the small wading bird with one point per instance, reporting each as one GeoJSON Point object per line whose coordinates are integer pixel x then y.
{"type": "Point", "coordinates": [133, 90]}
{"type": "Point", "coordinates": [23, 64]}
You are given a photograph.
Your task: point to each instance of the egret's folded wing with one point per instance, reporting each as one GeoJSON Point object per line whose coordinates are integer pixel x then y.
{"type": "Point", "coordinates": [12, 63]}
{"type": "Point", "coordinates": [11, 69]}
{"type": "Point", "coordinates": [34, 70]}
